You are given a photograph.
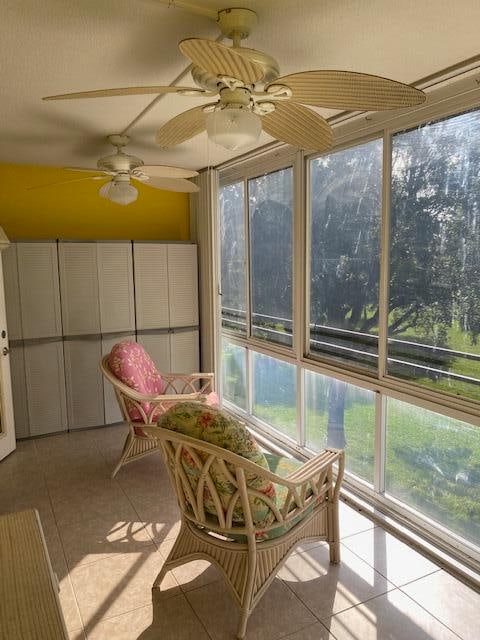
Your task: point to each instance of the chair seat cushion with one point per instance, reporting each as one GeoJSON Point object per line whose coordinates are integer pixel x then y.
{"type": "Point", "coordinates": [212, 425]}
{"type": "Point", "coordinates": [282, 467]}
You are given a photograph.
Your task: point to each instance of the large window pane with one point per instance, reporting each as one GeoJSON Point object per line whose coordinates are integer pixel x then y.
{"type": "Point", "coordinates": [341, 415]}
{"type": "Point", "coordinates": [234, 374]}
{"type": "Point", "coordinates": [434, 314]}
{"type": "Point", "coordinates": [346, 189]}
{"type": "Point", "coordinates": [232, 245]}
{"type": "Point", "coordinates": [433, 465]}
{"type": "Point", "coordinates": [270, 204]}
{"type": "Point", "coordinates": [274, 393]}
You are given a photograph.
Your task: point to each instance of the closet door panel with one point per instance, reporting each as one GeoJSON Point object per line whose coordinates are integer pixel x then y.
{"type": "Point", "coordinates": [115, 283]}
{"type": "Point", "coordinates": [184, 351]}
{"type": "Point", "coordinates": [183, 285]}
{"type": "Point", "coordinates": [157, 345]}
{"type": "Point", "coordinates": [39, 290]}
{"type": "Point", "coordinates": [151, 285]}
{"type": "Point", "coordinates": [84, 383]}
{"type": "Point", "coordinates": [45, 382]}
{"type": "Point", "coordinates": [19, 391]}
{"type": "Point", "coordinates": [79, 286]}
{"type": "Point", "coordinates": [12, 293]}
{"type": "Point", "coordinates": [112, 410]}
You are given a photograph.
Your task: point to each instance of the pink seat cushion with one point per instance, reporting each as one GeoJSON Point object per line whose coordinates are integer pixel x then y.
{"type": "Point", "coordinates": [131, 364]}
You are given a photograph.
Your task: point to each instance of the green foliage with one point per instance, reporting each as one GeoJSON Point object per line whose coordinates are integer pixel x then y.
{"type": "Point", "coordinates": [432, 462]}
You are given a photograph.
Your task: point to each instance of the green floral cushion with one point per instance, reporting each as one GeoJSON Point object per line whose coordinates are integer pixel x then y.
{"type": "Point", "coordinates": [282, 467]}
{"type": "Point", "coordinates": [212, 425]}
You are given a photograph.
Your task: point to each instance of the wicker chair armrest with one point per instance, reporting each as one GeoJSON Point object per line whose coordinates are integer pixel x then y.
{"type": "Point", "coordinates": [196, 396]}
{"type": "Point", "coordinates": [315, 465]}
{"type": "Point", "coordinates": [191, 376]}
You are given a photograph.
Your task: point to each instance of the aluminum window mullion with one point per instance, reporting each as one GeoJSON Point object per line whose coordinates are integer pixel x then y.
{"type": "Point", "coordinates": [307, 237]}
{"type": "Point", "coordinates": [249, 380]}
{"type": "Point", "coordinates": [384, 257]}
{"type": "Point", "coordinates": [380, 439]}
{"type": "Point", "coordinates": [298, 261]}
{"type": "Point", "coordinates": [300, 398]}
{"type": "Point", "coordinates": [248, 286]}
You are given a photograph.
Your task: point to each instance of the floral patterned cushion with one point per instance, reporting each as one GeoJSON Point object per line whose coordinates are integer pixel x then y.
{"type": "Point", "coordinates": [131, 364]}
{"type": "Point", "coordinates": [282, 467]}
{"type": "Point", "coordinates": [212, 425]}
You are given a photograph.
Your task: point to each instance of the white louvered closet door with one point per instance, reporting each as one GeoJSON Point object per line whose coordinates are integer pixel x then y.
{"type": "Point", "coordinates": [183, 285]}
{"type": "Point", "coordinates": [157, 345]}
{"type": "Point", "coordinates": [112, 410]}
{"type": "Point", "coordinates": [19, 391]}
{"type": "Point", "coordinates": [12, 292]}
{"type": "Point", "coordinates": [151, 285]}
{"type": "Point", "coordinates": [39, 291]}
{"type": "Point", "coordinates": [184, 351]}
{"type": "Point", "coordinates": [79, 287]}
{"type": "Point", "coordinates": [115, 284]}
{"type": "Point", "coordinates": [84, 382]}
{"type": "Point", "coordinates": [45, 381]}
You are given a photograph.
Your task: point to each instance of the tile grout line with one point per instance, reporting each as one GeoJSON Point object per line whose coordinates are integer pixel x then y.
{"type": "Point", "coordinates": [317, 619]}
{"type": "Point", "coordinates": [383, 593]}
{"type": "Point", "coordinates": [195, 613]}
{"type": "Point", "coordinates": [308, 626]}
{"type": "Point", "coordinates": [438, 568]}
{"type": "Point", "coordinates": [425, 609]}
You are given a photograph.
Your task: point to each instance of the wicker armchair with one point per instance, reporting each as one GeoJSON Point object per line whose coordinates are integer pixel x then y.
{"type": "Point", "coordinates": [304, 505]}
{"type": "Point", "coordinates": [140, 409]}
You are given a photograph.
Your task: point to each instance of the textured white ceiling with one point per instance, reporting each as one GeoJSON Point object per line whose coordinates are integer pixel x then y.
{"type": "Point", "coordinates": [58, 46]}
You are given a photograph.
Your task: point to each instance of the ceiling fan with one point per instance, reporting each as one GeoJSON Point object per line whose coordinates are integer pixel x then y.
{"type": "Point", "coordinates": [252, 96]}
{"type": "Point", "coordinates": [121, 168]}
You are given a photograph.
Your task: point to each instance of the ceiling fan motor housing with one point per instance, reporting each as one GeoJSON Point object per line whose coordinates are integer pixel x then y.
{"type": "Point", "coordinates": [119, 162]}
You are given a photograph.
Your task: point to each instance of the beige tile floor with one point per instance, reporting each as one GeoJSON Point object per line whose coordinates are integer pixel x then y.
{"type": "Point", "coordinates": [108, 540]}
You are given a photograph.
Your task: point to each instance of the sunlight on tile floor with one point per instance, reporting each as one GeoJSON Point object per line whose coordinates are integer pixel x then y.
{"type": "Point", "coordinates": [108, 539]}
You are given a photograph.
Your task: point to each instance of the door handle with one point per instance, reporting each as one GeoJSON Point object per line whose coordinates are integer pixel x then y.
{"type": "Point", "coordinates": [5, 351]}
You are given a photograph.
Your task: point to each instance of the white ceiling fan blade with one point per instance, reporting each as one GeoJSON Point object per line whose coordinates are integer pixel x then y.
{"type": "Point", "coordinates": [173, 184]}
{"type": "Point", "coordinates": [349, 90]}
{"type": "Point", "coordinates": [99, 171]}
{"type": "Point", "coordinates": [183, 127]}
{"type": "Point", "coordinates": [220, 60]}
{"type": "Point", "coordinates": [299, 126]}
{"type": "Point", "coordinates": [127, 91]}
{"type": "Point", "coordinates": [54, 184]}
{"type": "Point", "coordinates": [164, 171]}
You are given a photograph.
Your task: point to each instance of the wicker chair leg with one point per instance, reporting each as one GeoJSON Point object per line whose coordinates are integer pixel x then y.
{"type": "Point", "coordinates": [333, 533]}
{"type": "Point", "coordinates": [242, 625]}
{"type": "Point", "coordinates": [158, 580]}
{"type": "Point", "coordinates": [247, 599]}
{"type": "Point", "coordinates": [127, 447]}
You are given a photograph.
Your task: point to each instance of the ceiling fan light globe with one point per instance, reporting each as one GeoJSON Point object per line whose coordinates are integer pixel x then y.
{"type": "Point", "coordinates": [233, 128]}
{"type": "Point", "coordinates": [122, 193]}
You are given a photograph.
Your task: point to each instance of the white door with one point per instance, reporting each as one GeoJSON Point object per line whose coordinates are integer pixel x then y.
{"type": "Point", "coordinates": [7, 424]}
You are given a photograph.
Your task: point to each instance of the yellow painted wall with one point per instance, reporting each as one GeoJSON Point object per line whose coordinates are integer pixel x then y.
{"type": "Point", "coordinates": [76, 211]}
